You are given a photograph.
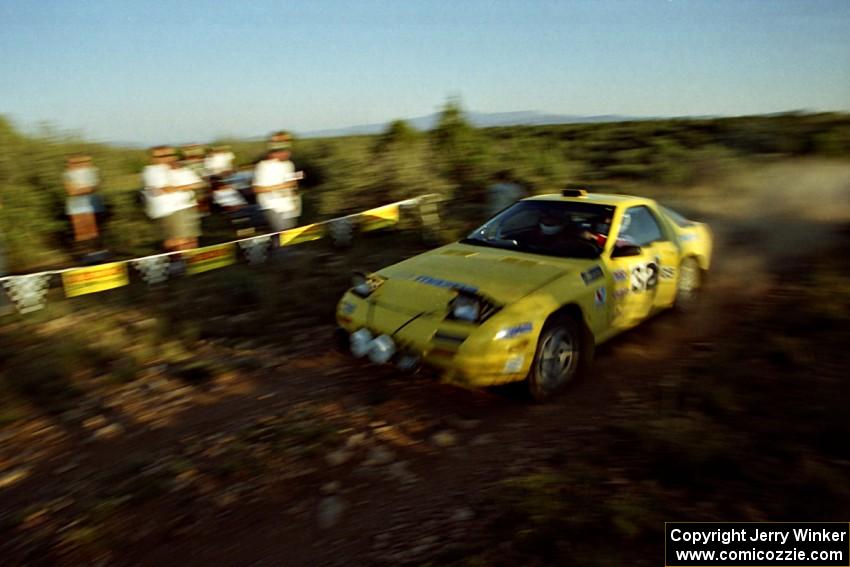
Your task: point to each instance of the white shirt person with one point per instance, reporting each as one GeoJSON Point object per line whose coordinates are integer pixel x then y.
{"type": "Point", "coordinates": [274, 186]}
{"type": "Point", "coordinates": [170, 199]}
{"type": "Point", "coordinates": [219, 162]}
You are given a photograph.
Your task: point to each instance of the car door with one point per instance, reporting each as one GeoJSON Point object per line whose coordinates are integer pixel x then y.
{"type": "Point", "coordinates": [641, 252]}
{"type": "Point", "coordinates": [667, 252]}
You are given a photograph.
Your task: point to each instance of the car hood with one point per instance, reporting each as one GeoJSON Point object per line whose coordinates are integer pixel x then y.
{"type": "Point", "coordinates": [501, 275]}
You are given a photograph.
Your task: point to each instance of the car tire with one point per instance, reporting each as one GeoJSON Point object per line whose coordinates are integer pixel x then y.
{"type": "Point", "coordinates": [688, 286]}
{"type": "Point", "coordinates": [564, 352]}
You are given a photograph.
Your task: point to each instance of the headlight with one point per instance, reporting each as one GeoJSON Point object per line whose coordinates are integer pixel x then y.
{"type": "Point", "coordinates": [466, 308]}
{"type": "Point", "coordinates": [515, 331]}
{"type": "Point", "coordinates": [361, 342]}
{"type": "Point", "coordinates": [363, 284]}
{"type": "Point", "coordinates": [381, 350]}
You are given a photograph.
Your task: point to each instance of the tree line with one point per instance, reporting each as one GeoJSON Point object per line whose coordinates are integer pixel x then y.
{"type": "Point", "coordinates": [454, 159]}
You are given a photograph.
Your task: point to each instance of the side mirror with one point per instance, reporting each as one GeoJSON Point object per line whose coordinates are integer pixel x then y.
{"type": "Point", "coordinates": [624, 250]}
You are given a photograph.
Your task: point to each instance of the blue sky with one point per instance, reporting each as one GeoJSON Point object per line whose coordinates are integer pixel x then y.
{"type": "Point", "coordinates": [131, 70]}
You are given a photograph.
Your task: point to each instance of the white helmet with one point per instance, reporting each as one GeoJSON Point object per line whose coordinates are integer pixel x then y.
{"type": "Point", "coordinates": [550, 229]}
{"type": "Point", "coordinates": [550, 225]}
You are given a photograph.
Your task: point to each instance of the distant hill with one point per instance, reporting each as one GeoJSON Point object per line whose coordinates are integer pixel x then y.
{"type": "Point", "coordinates": [480, 119]}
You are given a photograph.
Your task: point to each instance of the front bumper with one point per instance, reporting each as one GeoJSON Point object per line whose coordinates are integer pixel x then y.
{"type": "Point", "coordinates": [464, 354]}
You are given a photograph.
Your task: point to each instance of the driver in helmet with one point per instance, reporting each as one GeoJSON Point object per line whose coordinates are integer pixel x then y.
{"type": "Point", "coordinates": [551, 224]}
{"type": "Point", "coordinates": [556, 228]}
{"type": "Point", "coordinates": [549, 231]}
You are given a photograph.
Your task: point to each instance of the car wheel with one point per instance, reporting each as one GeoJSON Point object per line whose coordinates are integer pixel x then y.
{"type": "Point", "coordinates": [689, 285]}
{"type": "Point", "coordinates": [561, 356]}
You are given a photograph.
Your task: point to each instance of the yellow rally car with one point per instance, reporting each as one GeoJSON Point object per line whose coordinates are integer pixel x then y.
{"type": "Point", "coordinates": [529, 294]}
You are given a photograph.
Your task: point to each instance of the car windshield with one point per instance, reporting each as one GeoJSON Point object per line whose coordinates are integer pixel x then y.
{"type": "Point", "coordinates": [565, 229]}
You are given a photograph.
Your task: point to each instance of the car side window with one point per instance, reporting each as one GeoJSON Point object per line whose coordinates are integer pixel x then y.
{"type": "Point", "coordinates": [640, 227]}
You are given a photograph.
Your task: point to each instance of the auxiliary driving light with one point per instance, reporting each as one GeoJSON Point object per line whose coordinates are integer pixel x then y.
{"type": "Point", "coordinates": [360, 341]}
{"type": "Point", "coordinates": [381, 349]}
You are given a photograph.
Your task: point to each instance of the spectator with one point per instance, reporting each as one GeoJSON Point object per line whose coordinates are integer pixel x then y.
{"type": "Point", "coordinates": [81, 181]}
{"type": "Point", "coordinates": [219, 161]}
{"type": "Point", "coordinates": [155, 178]}
{"type": "Point", "coordinates": [275, 185]}
{"type": "Point", "coordinates": [219, 167]}
{"type": "Point", "coordinates": [194, 159]}
{"type": "Point", "coordinates": [502, 193]}
{"type": "Point", "coordinates": [170, 197]}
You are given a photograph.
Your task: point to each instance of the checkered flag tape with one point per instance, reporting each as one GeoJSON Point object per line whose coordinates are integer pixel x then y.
{"type": "Point", "coordinates": [429, 213]}
{"type": "Point", "coordinates": [256, 249]}
{"type": "Point", "coordinates": [341, 231]}
{"type": "Point", "coordinates": [27, 292]}
{"type": "Point", "coordinates": [154, 269]}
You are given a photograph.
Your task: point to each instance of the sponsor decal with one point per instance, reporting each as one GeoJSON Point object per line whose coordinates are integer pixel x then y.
{"type": "Point", "coordinates": [668, 272]}
{"type": "Point", "coordinates": [644, 276]}
{"type": "Point", "coordinates": [346, 308]}
{"type": "Point", "coordinates": [687, 237]}
{"type": "Point", "coordinates": [302, 234]}
{"type": "Point", "coordinates": [621, 293]}
{"type": "Point", "coordinates": [591, 275]}
{"type": "Point", "coordinates": [621, 275]}
{"type": "Point", "coordinates": [209, 258]}
{"type": "Point", "coordinates": [382, 217]}
{"type": "Point", "coordinates": [599, 297]}
{"type": "Point", "coordinates": [445, 283]}
{"type": "Point", "coordinates": [97, 278]}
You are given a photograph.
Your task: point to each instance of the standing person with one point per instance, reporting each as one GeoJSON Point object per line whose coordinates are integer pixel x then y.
{"type": "Point", "coordinates": [81, 181]}
{"type": "Point", "coordinates": [219, 168]}
{"type": "Point", "coordinates": [275, 185]}
{"type": "Point", "coordinates": [185, 220]}
{"type": "Point", "coordinates": [502, 193]}
{"type": "Point", "coordinates": [194, 159]}
{"type": "Point", "coordinates": [219, 161]}
{"type": "Point", "coordinates": [156, 181]}
{"type": "Point", "coordinates": [170, 198]}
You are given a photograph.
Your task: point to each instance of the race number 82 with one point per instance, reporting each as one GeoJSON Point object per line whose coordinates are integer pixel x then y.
{"type": "Point", "coordinates": [644, 276]}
